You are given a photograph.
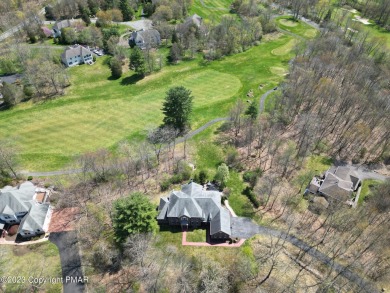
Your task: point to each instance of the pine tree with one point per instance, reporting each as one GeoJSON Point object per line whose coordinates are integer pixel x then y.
{"type": "Point", "coordinates": [177, 108]}
{"type": "Point", "coordinates": [252, 110]}
{"type": "Point", "coordinates": [137, 61]}
{"type": "Point", "coordinates": [116, 67]}
{"type": "Point", "coordinates": [126, 10]}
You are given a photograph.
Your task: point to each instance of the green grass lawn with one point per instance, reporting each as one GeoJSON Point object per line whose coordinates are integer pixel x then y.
{"type": "Point", "coordinates": [366, 188]}
{"type": "Point", "coordinates": [98, 112]}
{"type": "Point", "coordinates": [196, 235]}
{"type": "Point", "coordinates": [38, 260]}
{"type": "Point", "coordinates": [376, 33]}
{"type": "Point", "coordinates": [318, 164]}
{"type": "Point", "coordinates": [297, 27]}
{"type": "Point", "coordinates": [212, 10]}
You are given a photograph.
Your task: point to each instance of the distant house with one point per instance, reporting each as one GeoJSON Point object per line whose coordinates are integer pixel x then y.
{"type": "Point", "coordinates": [194, 206]}
{"type": "Point", "coordinates": [75, 55]}
{"type": "Point", "coordinates": [60, 25]}
{"type": "Point", "coordinates": [145, 39]}
{"type": "Point", "coordinates": [338, 183]}
{"type": "Point", "coordinates": [194, 19]}
{"type": "Point", "coordinates": [47, 32]}
{"type": "Point", "coordinates": [27, 206]}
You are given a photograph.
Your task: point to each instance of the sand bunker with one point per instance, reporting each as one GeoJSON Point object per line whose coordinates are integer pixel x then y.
{"type": "Point", "coordinates": [360, 19]}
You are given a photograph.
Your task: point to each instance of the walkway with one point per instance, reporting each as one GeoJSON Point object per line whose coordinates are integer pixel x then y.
{"type": "Point", "coordinates": [5, 242]}
{"type": "Point", "coordinates": [185, 243]}
{"type": "Point", "coordinates": [226, 203]}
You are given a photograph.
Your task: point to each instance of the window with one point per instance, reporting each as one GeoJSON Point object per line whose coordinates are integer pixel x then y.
{"type": "Point", "coordinates": [7, 217]}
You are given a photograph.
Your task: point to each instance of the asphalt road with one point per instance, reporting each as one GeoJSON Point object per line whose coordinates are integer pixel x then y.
{"type": "Point", "coordinates": [72, 274]}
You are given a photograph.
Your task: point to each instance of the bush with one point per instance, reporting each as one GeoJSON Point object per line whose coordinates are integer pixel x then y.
{"type": "Point", "coordinates": [248, 192]}
{"type": "Point", "coordinates": [183, 170]}
{"type": "Point", "coordinates": [29, 178]}
{"type": "Point", "coordinates": [252, 177]}
{"type": "Point", "coordinates": [164, 185]}
{"type": "Point", "coordinates": [203, 177]}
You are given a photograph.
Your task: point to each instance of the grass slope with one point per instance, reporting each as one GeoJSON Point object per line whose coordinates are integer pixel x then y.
{"type": "Point", "coordinates": [211, 10]}
{"type": "Point", "coordinates": [98, 112]}
{"type": "Point", "coordinates": [300, 28]}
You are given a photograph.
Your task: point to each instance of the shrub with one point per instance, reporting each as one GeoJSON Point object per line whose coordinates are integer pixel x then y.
{"type": "Point", "coordinates": [164, 185]}
{"type": "Point", "coordinates": [248, 192]}
{"type": "Point", "coordinates": [29, 178]}
{"type": "Point", "coordinates": [252, 177]}
{"type": "Point", "coordinates": [203, 177]}
{"type": "Point", "coordinates": [183, 170]}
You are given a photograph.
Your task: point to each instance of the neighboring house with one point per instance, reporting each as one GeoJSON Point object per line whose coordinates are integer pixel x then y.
{"type": "Point", "coordinates": [193, 206]}
{"type": "Point", "coordinates": [27, 206]}
{"type": "Point", "coordinates": [60, 25]}
{"type": "Point", "coordinates": [47, 32]}
{"type": "Point", "coordinates": [194, 19]}
{"type": "Point", "coordinates": [75, 55]}
{"type": "Point", "coordinates": [145, 39]}
{"type": "Point", "coordinates": [338, 183]}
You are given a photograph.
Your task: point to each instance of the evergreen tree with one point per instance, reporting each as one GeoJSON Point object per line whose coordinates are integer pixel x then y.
{"type": "Point", "coordinates": [116, 67]}
{"type": "Point", "coordinates": [84, 12]}
{"type": "Point", "coordinates": [132, 215]}
{"type": "Point", "coordinates": [177, 108]}
{"type": "Point", "coordinates": [137, 61]}
{"type": "Point", "coordinates": [252, 110]}
{"type": "Point", "coordinates": [175, 53]}
{"type": "Point", "coordinates": [127, 11]}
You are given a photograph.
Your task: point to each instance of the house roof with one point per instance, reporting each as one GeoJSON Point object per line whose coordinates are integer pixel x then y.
{"type": "Point", "coordinates": [221, 222]}
{"type": "Point", "coordinates": [48, 32]}
{"type": "Point", "coordinates": [16, 199]}
{"type": "Point", "coordinates": [74, 51]}
{"type": "Point", "coordinates": [21, 199]}
{"type": "Point", "coordinates": [193, 201]}
{"type": "Point", "coordinates": [339, 182]}
{"type": "Point", "coordinates": [150, 36]}
{"type": "Point", "coordinates": [62, 24]}
{"type": "Point", "coordinates": [194, 19]}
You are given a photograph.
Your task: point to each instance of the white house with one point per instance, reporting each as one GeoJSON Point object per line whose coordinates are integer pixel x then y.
{"type": "Point", "coordinates": [76, 55]}
{"type": "Point", "coordinates": [27, 206]}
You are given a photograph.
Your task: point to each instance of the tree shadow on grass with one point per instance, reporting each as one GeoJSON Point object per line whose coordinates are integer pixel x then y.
{"type": "Point", "coordinates": [113, 78]}
{"type": "Point", "coordinates": [133, 79]}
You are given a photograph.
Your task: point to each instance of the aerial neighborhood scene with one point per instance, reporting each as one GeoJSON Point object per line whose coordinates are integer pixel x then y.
{"type": "Point", "coordinates": [211, 146]}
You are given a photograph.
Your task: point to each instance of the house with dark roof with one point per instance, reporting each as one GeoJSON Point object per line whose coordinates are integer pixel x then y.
{"type": "Point", "coordinates": [194, 19]}
{"type": "Point", "coordinates": [60, 25]}
{"type": "Point", "coordinates": [27, 206]}
{"type": "Point", "coordinates": [76, 55]}
{"type": "Point", "coordinates": [338, 183]}
{"type": "Point", "coordinates": [145, 39]}
{"type": "Point", "coordinates": [193, 206]}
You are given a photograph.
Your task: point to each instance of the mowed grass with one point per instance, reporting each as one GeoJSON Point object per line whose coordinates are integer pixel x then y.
{"type": "Point", "coordinates": [297, 27]}
{"type": "Point", "coordinates": [37, 261]}
{"type": "Point", "coordinates": [283, 50]}
{"type": "Point", "coordinates": [211, 10]}
{"type": "Point", "coordinates": [98, 112]}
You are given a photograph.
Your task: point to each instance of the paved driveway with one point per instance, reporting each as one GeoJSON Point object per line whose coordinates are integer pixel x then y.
{"type": "Point", "coordinates": [72, 273]}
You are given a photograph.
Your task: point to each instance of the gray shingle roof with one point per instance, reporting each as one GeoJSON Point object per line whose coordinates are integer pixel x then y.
{"type": "Point", "coordinates": [194, 19]}
{"type": "Point", "coordinates": [144, 38]}
{"type": "Point", "coordinates": [71, 52]}
{"type": "Point", "coordinates": [339, 182]}
{"type": "Point", "coordinates": [62, 24]}
{"type": "Point", "coordinates": [193, 201]}
{"type": "Point", "coordinates": [21, 199]}
{"type": "Point", "coordinates": [221, 222]}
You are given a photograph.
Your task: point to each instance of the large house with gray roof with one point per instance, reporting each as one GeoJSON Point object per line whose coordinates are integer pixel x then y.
{"type": "Point", "coordinates": [27, 206]}
{"type": "Point", "coordinates": [60, 25]}
{"type": "Point", "coordinates": [145, 39]}
{"type": "Point", "coordinates": [338, 183]}
{"type": "Point", "coordinates": [76, 55]}
{"type": "Point", "coordinates": [193, 206]}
